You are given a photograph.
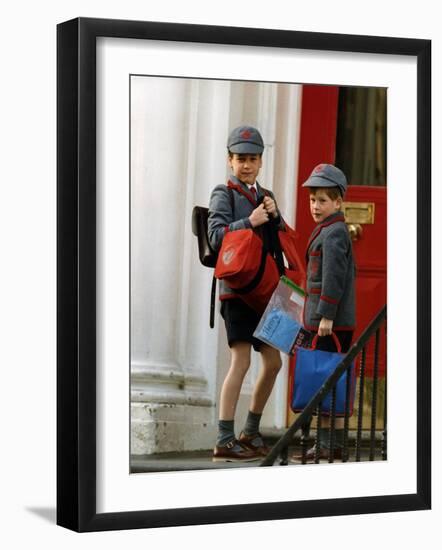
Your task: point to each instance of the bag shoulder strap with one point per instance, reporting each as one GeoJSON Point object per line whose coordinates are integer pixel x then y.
{"type": "Point", "coordinates": [212, 303]}
{"type": "Point", "coordinates": [239, 189]}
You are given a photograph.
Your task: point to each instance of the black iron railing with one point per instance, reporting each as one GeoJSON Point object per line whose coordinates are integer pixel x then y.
{"type": "Point", "coordinates": [303, 422]}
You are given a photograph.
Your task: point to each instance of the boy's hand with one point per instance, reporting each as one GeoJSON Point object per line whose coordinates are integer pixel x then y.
{"type": "Point", "coordinates": [270, 206]}
{"type": "Point", "coordinates": [325, 327]}
{"type": "Point", "coordinates": [259, 216]}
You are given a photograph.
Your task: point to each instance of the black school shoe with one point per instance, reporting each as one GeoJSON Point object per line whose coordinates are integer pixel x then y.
{"type": "Point", "coordinates": [234, 451]}
{"type": "Point", "coordinates": [255, 443]}
{"type": "Point", "coordinates": [324, 454]}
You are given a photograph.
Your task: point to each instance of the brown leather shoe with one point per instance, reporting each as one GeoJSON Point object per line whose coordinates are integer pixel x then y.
{"type": "Point", "coordinates": [255, 443]}
{"type": "Point", "coordinates": [324, 454]}
{"type": "Point", "coordinates": [234, 451]}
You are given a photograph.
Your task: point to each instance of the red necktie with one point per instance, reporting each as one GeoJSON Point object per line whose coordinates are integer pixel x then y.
{"type": "Point", "coordinates": [253, 191]}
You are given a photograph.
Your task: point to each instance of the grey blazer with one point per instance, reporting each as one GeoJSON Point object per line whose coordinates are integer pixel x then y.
{"type": "Point", "coordinates": [223, 218]}
{"type": "Point", "coordinates": [330, 276]}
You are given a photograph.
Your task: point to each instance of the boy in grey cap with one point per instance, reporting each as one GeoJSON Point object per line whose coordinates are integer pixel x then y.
{"type": "Point", "coordinates": [232, 207]}
{"type": "Point", "coordinates": [330, 302]}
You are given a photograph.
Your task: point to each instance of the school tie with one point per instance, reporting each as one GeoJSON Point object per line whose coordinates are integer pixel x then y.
{"type": "Point", "coordinates": [253, 191]}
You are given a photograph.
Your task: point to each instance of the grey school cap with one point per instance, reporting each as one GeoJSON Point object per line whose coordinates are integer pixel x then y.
{"type": "Point", "coordinates": [245, 140]}
{"type": "Point", "coordinates": [327, 175]}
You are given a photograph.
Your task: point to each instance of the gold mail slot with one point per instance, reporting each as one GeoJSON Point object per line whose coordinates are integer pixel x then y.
{"type": "Point", "coordinates": [358, 212]}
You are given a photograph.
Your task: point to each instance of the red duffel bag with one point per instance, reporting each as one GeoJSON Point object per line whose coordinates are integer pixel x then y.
{"type": "Point", "coordinates": [247, 268]}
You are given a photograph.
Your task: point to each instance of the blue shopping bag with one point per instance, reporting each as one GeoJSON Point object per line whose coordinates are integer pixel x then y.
{"type": "Point", "coordinates": [312, 368]}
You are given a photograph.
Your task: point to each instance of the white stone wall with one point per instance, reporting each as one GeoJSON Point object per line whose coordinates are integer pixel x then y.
{"type": "Point", "coordinates": [179, 129]}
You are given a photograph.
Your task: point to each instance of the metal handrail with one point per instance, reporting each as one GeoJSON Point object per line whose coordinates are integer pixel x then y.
{"type": "Point", "coordinates": [328, 386]}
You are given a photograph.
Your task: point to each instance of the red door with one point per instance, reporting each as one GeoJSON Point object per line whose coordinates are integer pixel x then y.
{"type": "Point", "coordinates": [365, 205]}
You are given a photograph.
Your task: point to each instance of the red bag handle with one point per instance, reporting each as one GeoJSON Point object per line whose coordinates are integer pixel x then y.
{"type": "Point", "coordinates": [335, 338]}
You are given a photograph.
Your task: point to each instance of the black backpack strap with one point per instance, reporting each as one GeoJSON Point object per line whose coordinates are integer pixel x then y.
{"type": "Point", "coordinates": [276, 246]}
{"type": "Point", "coordinates": [271, 239]}
{"type": "Point", "coordinates": [212, 303]}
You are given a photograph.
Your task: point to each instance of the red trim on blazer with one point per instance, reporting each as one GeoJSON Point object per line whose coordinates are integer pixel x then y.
{"type": "Point", "coordinates": [315, 253]}
{"type": "Point", "coordinates": [320, 227]}
{"type": "Point", "coordinates": [314, 291]}
{"type": "Point", "coordinates": [329, 300]}
{"type": "Point", "coordinates": [248, 196]}
{"type": "Point", "coordinates": [238, 188]}
{"type": "Point", "coordinates": [227, 296]}
{"type": "Point", "coordinates": [315, 328]}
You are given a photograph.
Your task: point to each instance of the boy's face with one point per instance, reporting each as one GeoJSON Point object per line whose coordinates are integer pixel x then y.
{"type": "Point", "coordinates": [322, 206]}
{"type": "Point", "coordinates": [245, 167]}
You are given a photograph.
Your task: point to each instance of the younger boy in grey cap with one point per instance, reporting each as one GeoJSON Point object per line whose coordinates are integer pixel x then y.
{"type": "Point", "coordinates": [232, 207]}
{"type": "Point", "coordinates": [330, 302]}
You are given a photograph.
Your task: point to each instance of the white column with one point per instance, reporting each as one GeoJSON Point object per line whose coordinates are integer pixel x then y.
{"type": "Point", "coordinates": [176, 135]}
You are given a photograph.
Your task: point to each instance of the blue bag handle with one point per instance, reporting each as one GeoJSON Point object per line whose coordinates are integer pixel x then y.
{"type": "Point", "coordinates": [335, 338]}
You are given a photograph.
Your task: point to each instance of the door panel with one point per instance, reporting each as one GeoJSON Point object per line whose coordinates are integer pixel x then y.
{"type": "Point", "coordinates": [317, 144]}
{"type": "Point", "coordinates": [370, 253]}
{"type": "Point", "coordinates": [321, 108]}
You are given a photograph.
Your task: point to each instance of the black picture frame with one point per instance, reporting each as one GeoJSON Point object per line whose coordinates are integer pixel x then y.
{"type": "Point", "coordinates": [76, 273]}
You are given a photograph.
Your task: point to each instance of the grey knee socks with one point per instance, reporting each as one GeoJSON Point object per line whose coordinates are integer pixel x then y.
{"type": "Point", "coordinates": [225, 432]}
{"type": "Point", "coordinates": [252, 423]}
